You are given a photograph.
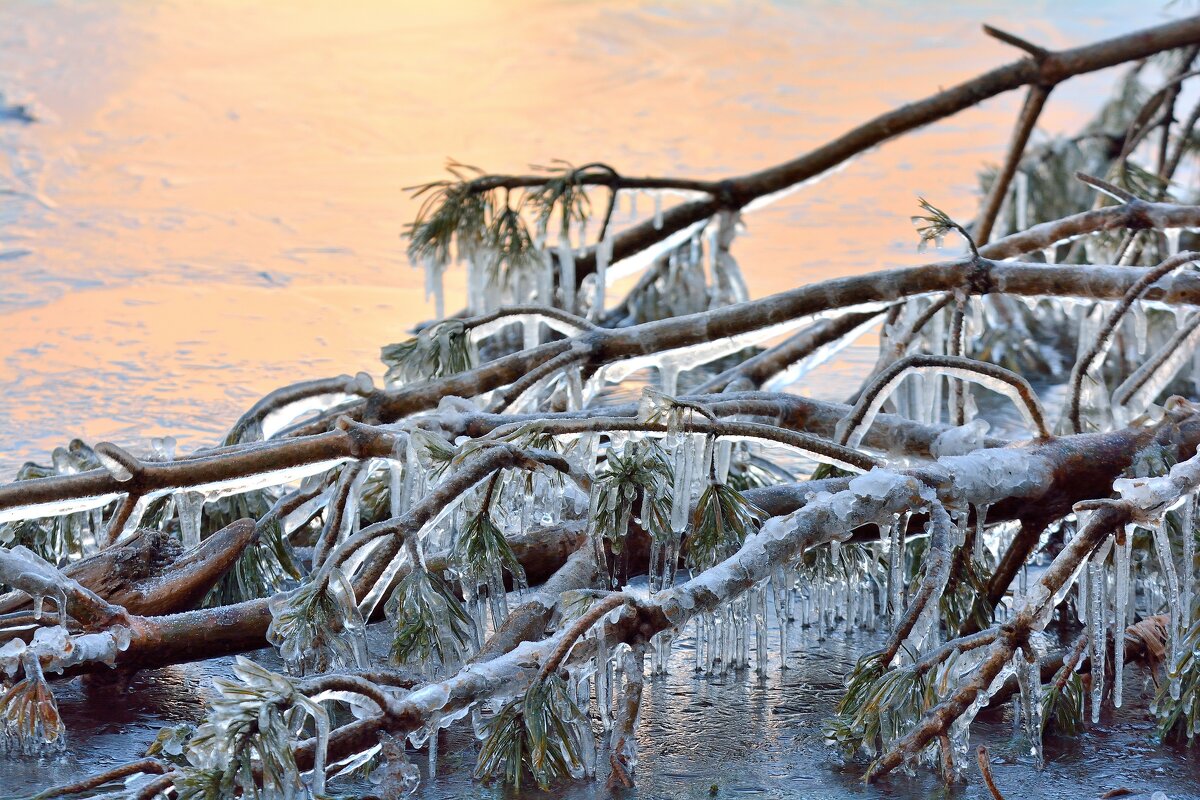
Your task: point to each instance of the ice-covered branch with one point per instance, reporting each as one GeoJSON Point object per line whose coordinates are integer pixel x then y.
{"type": "Point", "coordinates": [815, 447]}
{"type": "Point", "coordinates": [760, 368]}
{"type": "Point", "coordinates": [1143, 501]}
{"type": "Point", "coordinates": [237, 468]}
{"type": "Point", "coordinates": [289, 402]}
{"type": "Point", "coordinates": [1132, 215]}
{"type": "Point", "coordinates": [1013, 634]}
{"type": "Point", "coordinates": [147, 766]}
{"type": "Point", "coordinates": [24, 570]}
{"type": "Point", "coordinates": [717, 329]}
{"type": "Point", "coordinates": [998, 379]}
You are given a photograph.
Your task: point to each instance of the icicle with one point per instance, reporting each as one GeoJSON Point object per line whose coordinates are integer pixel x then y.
{"type": "Point", "coordinates": [1140, 327]}
{"type": "Point", "coordinates": [758, 609]}
{"type": "Point", "coordinates": [1022, 186]}
{"type": "Point", "coordinates": [782, 590]}
{"type": "Point", "coordinates": [723, 456]}
{"type": "Point", "coordinates": [681, 495]}
{"type": "Point", "coordinates": [1081, 599]}
{"type": "Point", "coordinates": [190, 506]}
{"type": "Point", "coordinates": [660, 646]}
{"type": "Point", "coordinates": [1166, 561]}
{"type": "Point", "coordinates": [433, 286]}
{"type": "Point", "coordinates": [603, 255]}
{"type": "Point", "coordinates": [434, 727]}
{"type": "Point", "coordinates": [566, 266]}
{"type": "Point", "coordinates": [531, 330]}
{"type": "Point", "coordinates": [1121, 559]}
{"type": "Point", "coordinates": [980, 526]}
{"type": "Point", "coordinates": [351, 517]}
{"type": "Point", "coordinates": [658, 211]}
{"type": "Point", "coordinates": [604, 678]}
{"type": "Point", "coordinates": [497, 599]}
{"type": "Point", "coordinates": [1096, 628]}
{"type": "Point", "coordinates": [1029, 680]}
{"type": "Point", "coordinates": [1172, 235]}
{"type": "Point", "coordinates": [896, 571]}
{"type": "Point", "coordinates": [395, 486]}
{"type": "Point", "coordinates": [668, 376]}
{"type": "Point", "coordinates": [1188, 577]}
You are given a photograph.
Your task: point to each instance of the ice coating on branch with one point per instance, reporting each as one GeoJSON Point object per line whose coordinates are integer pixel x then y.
{"type": "Point", "coordinates": [989, 476]}
{"type": "Point", "coordinates": [115, 468]}
{"type": "Point", "coordinates": [58, 508]}
{"type": "Point", "coordinates": [163, 448]}
{"type": "Point", "coordinates": [1152, 497]}
{"type": "Point", "coordinates": [248, 483]}
{"type": "Point", "coordinates": [961, 440]}
{"type": "Point", "coordinates": [877, 483]}
{"type": "Point", "coordinates": [25, 570]}
{"type": "Point", "coordinates": [57, 650]}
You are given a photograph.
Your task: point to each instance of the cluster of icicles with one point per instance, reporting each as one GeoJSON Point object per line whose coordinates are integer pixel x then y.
{"type": "Point", "coordinates": [545, 277]}
{"type": "Point", "coordinates": [859, 586]}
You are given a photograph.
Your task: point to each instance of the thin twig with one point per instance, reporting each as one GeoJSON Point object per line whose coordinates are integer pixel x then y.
{"type": "Point", "coordinates": [985, 769]}
{"type": "Point", "coordinates": [1038, 53]}
{"type": "Point", "coordinates": [1035, 101]}
{"type": "Point", "coordinates": [579, 628]}
{"type": "Point", "coordinates": [145, 765]}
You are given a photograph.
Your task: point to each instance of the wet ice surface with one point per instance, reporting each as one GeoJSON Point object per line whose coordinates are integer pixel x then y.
{"type": "Point", "coordinates": [749, 737]}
